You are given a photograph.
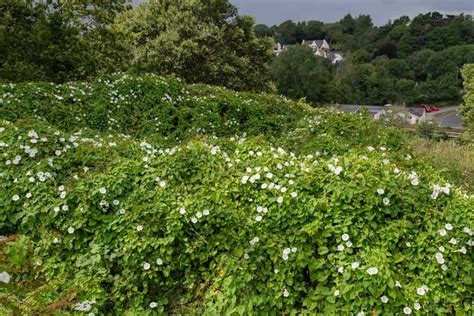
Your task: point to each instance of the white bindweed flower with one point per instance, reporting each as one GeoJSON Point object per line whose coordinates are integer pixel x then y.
{"type": "Point", "coordinates": [159, 261]}
{"type": "Point", "coordinates": [453, 241]}
{"type": "Point", "coordinates": [205, 212]}
{"type": "Point", "coordinates": [286, 293]}
{"type": "Point", "coordinates": [70, 230]}
{"type": "Point", "coordinates": [348, 244]}
{"type": "Point", "coordinates": [340, 248]}
{"type": "Point", "coordinates": [340, 270]}
{"type": "Point", "coordinates": [280, 200]}
{"type": "Point", "coordinates": [372, 271]}
{"type": "Point", "coordinates": [345, 237]}
{"type": "Point", "coordinates": [139, 228]}
{"type": "Point", "coordinates": [162, 184]}
{"type": "Point", "coordinates": [246, 256]}
{"type": "Point", "coordinates": [407, 310]}
{"type": "Point", "coordinates": [294, 194]}
{"type": "Point", "coordinates": [442, 232]}
{"type": "Point", "coordinates": [198, 214]}
{"type": "Point", "coordinates": [146, 266]}
{"type": "Point", "coordinates": [103, 190]}
{"type": "Point", "coordinates": [16, 197]}
{"type": "Point", "coordinates": [245, 179]}
{"type": "Point", "coordinates": [337, 293]}
{"type": "Point", "coordinates": [448, 226]}
{"type": "Point", "coordinates": [182, 211]}
{"type": "Point", "coordinates": [398, 284]}
{"type": "Point", "coordinates": [153, 304]}
{"type": "Point", "coordinates": [417, 306]}
{"type": "Point", "coordinates": [386, 201]}
{"type": "Point", "coordinates": [355, 265]}
{"type": "Point", "coordinates": [5, 277]}
{"type": "Point", "coordinates": [380, 191]}
{"type": "Point", "coordinates": [444, 267]}
{"type": "Point", "coordinates": [194, 220]}
{"type": "Point", "coordinates": [258, 218]}
{"type": "Point", "coordinates": [467, 230]}
{"type": "Point", "coordinates": [440, 258]}
{"type": "Point", "coordinates": [384, 299]}
{"type": "Point", "coordinates": [421, 291]}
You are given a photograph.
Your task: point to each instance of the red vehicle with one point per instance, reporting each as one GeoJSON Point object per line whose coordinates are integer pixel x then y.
{"type": "Point", "coordinates": [429, 108]}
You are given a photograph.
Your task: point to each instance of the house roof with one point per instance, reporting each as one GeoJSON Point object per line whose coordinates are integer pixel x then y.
{"type": "Point", "coordinates": [333, 55]}
{"type": "Point", "coordinates": [318, 43]}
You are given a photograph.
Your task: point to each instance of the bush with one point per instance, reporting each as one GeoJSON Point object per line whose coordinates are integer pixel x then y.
{"type": "Point", "coordinates": [341, 218]}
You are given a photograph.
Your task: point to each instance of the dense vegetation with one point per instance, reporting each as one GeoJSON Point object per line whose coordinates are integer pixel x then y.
{"type": "Point", "coordinates": [405, 61]}
{"type": "Point", "coordinates": [144, 195]}
{"type": "Point", "coordinates": [200, 41]}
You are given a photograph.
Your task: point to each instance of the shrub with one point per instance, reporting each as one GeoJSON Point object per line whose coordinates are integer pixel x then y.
{"type": "Point", "coordinates": [234, 225]}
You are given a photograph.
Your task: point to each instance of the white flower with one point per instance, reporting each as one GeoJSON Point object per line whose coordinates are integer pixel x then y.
{"type": "Point", "coordinates": [146, 266]}
{"type": "Point", "coordinates": [421, 291]}
{"type": "Point", "coordinates": [258, 218]}
{"type": "Point", "coordinates": [439, 257]}
{"type": "Point", "coordinates": [294, 249]}
{"type": "Point", "coordinates": [337, 293]}
{"type": "Point", "coordinates": [194, 220]}
{"type": "Point", "coordinates": [337, 170]}
{"type": "Point", "coordinates": [463, 250]}
{"type": "Point", "coordinates": [340, 270]}
{"type": "Point", "coordinates": [62, 195]}
{"type": "Point", "coordinates": [245, 179]}
{"type": "Point", "coordinates": [246, 256]}
{"type": "Point", "coordinates": [286, 251]}
{"type": "Point", "coordinates": [122, 211]}
{"type": "Point", "coordinates": [396, 171]}
{"type": "Point", "coordinates": [16, 197]}
{"type": "Point", "coordinates": [384, 299]}
{"type": "Point", "coordinates": [372, 271]}
{"type": "Point", "coordinates": [361, 313]}
{"type": "Point", "coordinates": [139, 228]}
{"type": "Point", "coordinates": [340, 247]}
{"type": "Point", "coordinates": [345, 237]}
{"type": "Point", "coordinates": [182, 211]}
{"type": "Point", "coordinates": [65, 207]}
{"type": "Point", "coordinates": [286, 293]}
{"type": "Point", "coordinates": [153, 304]}
{"type": "Point", "coordinates": [116, 202]}
{"type": "Point", "coordinates": [280, 200]}
{"type": "Point", "coordinates": [407, 310]}
{"type": "Point", "coordinates": [198, 214]}
{"type": "Point", "coordinates": [453, 241]}
{"type": "Point", "coordinates": [259, 209]}
{"type": "Point", "coordinates": [55, 240]}
{"type": "Point", "coordinates": [349, 244]}
{"type": "Point", "coordinates": [159, 261]}
{"type": "Point", "coordinates": [444, 267]}
{"type": "Point", "coordinates": [386, 201]}
{"type": "Point", "coordinates": [448, 226]}
{"type": "Point", "coordinates": [370, 148]}
{"type": "Point", "coordinates": [355, 265]}
{"type": "Point", "coordinates": [162, 184]}
{"type": "Point", "coordinates": [442, 232]}
{"type": "Point", "coordinates": [103, 190]}
{"type": "Point", "coordinates": [441, 248]}
{"type": "Point", "coordinates": [70, 230]}
{"type": "Point", "coordinates": [205, 212]}
{"type": "Point", "coordinates": [398, 284]}
{"type": "Point", "coordinates": [61, 188]}
{"type": "Point", "coordinates": [5, 277]}
{"type": "Point", "coordinates": [294, 194]}
{"type": "Point", "coordinates": [380, 191]}
{"type": "Point", "coordinates": [417, 306]}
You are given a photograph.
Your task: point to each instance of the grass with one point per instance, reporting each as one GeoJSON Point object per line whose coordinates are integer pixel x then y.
{"type": "Point", "coordinates": [454, 160]}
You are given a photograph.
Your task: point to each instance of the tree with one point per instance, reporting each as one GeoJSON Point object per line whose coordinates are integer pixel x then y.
{"type": "Point", "coordinates": [262, 30]}
{"type": "Point", "coordinates": [58, 40]}
{"type": "Point", "coordinates": [199, 41]}
{"type": "Point", "coordinates": [298, 73]}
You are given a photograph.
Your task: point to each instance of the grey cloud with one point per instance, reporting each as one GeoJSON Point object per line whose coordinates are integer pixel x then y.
{"type": "Point", "coordinates": [276, 11]}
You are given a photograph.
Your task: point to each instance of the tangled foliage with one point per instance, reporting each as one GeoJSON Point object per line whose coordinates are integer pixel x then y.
{"type": "Point", "coordinates": [225, 223]}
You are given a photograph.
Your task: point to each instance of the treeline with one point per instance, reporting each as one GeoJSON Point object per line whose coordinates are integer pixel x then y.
{"type": "Point", "coordinates": [405, 61]}
{"type": "Point", "coordinates": [199, 41]}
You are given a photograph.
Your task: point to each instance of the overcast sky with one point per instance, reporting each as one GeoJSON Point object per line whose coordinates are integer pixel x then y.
{"type": "Point", "coordinates": [276, 11]}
